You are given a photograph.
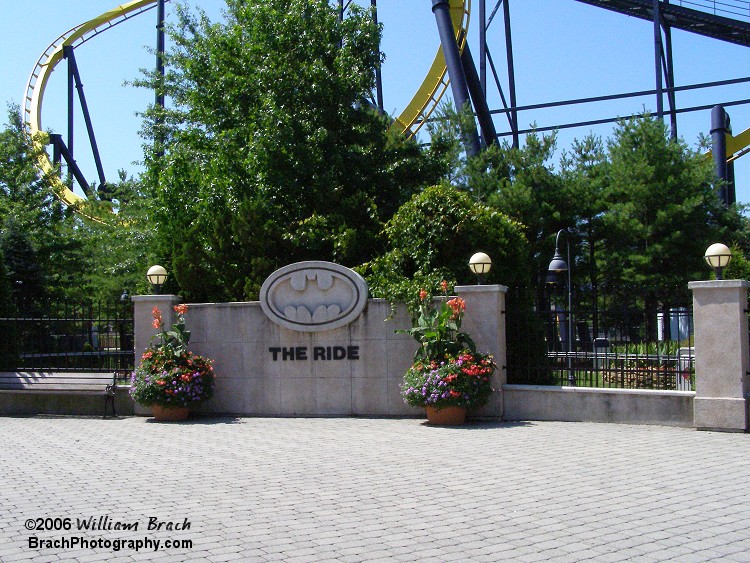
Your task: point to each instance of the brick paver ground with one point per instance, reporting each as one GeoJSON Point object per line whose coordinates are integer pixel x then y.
{"type": "Point", "coordinates": [256, 489]}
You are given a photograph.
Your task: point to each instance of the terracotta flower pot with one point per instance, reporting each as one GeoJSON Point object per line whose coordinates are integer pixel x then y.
{"type": "Point", "coordinates": [446, 416]}
{"type": "Point", "coordinates": [170, 414]}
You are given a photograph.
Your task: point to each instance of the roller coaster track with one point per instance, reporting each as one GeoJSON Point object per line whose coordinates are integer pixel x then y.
{"type": "Point", "coordinates": [34, 93]}
{"type": "Point", "coordinates": [411, 119]}
{"type": "Point", "coordinates": [436, 82]}
{"type": "Point", "coordinates": [723, 26]}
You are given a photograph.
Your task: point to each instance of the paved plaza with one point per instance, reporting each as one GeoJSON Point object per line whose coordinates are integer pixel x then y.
{"type": "Point", "coordinates": [352, 489]}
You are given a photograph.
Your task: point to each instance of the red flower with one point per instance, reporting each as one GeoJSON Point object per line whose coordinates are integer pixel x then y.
{"type": "Point", "coordinates": [422, 295]}
{"type": "Point", "coordinates": [180, 309]}
{"type": "Point", "coordinates": [444, 286]}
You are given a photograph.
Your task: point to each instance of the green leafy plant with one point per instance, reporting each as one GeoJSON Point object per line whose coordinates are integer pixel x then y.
{"type": "Point", "coordinates": [169, 374]}
{"type": "Point", "coordinates": [438, 328]}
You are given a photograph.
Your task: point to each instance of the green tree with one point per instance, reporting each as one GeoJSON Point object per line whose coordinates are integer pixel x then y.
{"type": "Point", "coordinates": [116, 249]}
{"type": "Point", "coordinates": [44, 244]}
{"type": "Point", "coordinates": [739, 267]}
{"type": "Point", "coordinates": [523, 184]}
{"type": "Point", "coordinates": [662, 212]}
{"type": "Point", "coordinates": [28, 212]}
{"type": "Point", "coordinates": [432, 237]}
{"type": "Point", "coordinates": [21, 264]}
{"type": "Point", "coordinates": [54, 252]}
{"type": "Point", "coordinates": [9, 341]}
{"type": "Point", "coordinates": [267, 155]}
{"type": "Point", "coordinates": [25, 196]}
{"type": "Point", "coordinates": [584, 171]}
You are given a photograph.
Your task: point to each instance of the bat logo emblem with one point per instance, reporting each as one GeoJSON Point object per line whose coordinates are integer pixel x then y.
{"type": "Point", "coordinates": [313, 296]}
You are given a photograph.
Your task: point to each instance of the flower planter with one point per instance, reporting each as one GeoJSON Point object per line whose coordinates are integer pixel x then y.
{"type": "Point", "coordinates": [170, 374]}
{"type": "Point", "coordinates": [446, 416]}
{"type": "Point", "coordinates": [170, 414]}
{"type": "Point", "coordinates": [447, 370]}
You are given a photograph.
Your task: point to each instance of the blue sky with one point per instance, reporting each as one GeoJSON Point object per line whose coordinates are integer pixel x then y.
{"type": "Point", "coordinates": [563, 49]}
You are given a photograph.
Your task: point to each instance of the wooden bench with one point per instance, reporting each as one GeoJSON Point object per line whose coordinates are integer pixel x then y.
{"type": "Point", "coordinates": [65, 383]}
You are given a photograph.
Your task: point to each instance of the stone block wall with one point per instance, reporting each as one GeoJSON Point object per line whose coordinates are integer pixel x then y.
{"type": "Point", "coordinates": [265, 369]}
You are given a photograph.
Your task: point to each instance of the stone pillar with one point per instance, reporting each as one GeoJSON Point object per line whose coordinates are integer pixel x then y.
{"type": "Point", "coordinates": [722, 383]}
{"type": "Point", "coordinates": [484, 321]}
{"type": "Point", "coordinates": [143, 329]}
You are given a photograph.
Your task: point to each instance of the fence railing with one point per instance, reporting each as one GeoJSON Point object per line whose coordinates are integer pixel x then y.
{"type": "Point", "coordinates": [733, 9]}
{"type": "Point", "coordinates": [626, 350]}
{"type": "Point", "coordinates": [66, 336]}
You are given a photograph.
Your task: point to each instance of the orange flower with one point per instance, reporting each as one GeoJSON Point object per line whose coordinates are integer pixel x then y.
{"type": "Point", "coordinates": [444, 286]}
{"type": "Point", "coordinates": [422, 295]}
{"type": "Point", "coordinates": [158, 322]}
{"type": "Point", "coordinates": [457, 305]}
{"type": "Point", "coordinates": [181, 309]}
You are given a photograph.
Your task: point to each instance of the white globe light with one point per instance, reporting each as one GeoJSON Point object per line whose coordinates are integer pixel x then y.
{"type": "Point", "coordinates": [480, 263]}
{"type": "Point", "coordinates": [718, 256]}
{"type": "Point", "coordinates": [156, 275]}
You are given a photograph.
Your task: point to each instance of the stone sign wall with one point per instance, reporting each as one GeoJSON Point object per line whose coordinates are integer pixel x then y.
{"type": "Point", "coordinates": [315, 346]}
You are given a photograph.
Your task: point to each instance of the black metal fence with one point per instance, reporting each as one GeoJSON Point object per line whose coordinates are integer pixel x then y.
{"type": "Point", "coordinates": [66, 336]}
{"type": "Point", "coordinates": [625, 349]}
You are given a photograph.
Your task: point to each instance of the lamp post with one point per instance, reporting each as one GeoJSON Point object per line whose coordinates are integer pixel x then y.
{"type": "Point", "coordinates": [718, 256]}
{"type": "Point", "coordinates": [156, 276]}
{"type": "Point", "coordinates": [558, 266]}
{"type": "Point", "coordinates": [551, 286]}
{"type": "Point", "coordinates": [480, 264]}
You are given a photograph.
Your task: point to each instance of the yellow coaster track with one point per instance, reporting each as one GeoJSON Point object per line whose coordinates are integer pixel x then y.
{"type": "Point", "coordinates": [436, 82]}
{"type": "Point", "coordinates": [411, 119]}
{"type": "Point", "coordinates": [737, 145]}
{"type": "Point", "coordinates": [34, 93]}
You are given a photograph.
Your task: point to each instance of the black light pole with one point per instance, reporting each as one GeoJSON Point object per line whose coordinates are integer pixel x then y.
{"type": "Point", "coordinates": [558, 266]}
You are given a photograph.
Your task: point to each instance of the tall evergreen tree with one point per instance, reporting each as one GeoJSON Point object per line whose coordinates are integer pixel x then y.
{"type": "Point", "coordinates": [585, 174]}
{"type": "Point", "coordinates": [28, 212]}
{"type": "Point", "coordinates": [662, 211]}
